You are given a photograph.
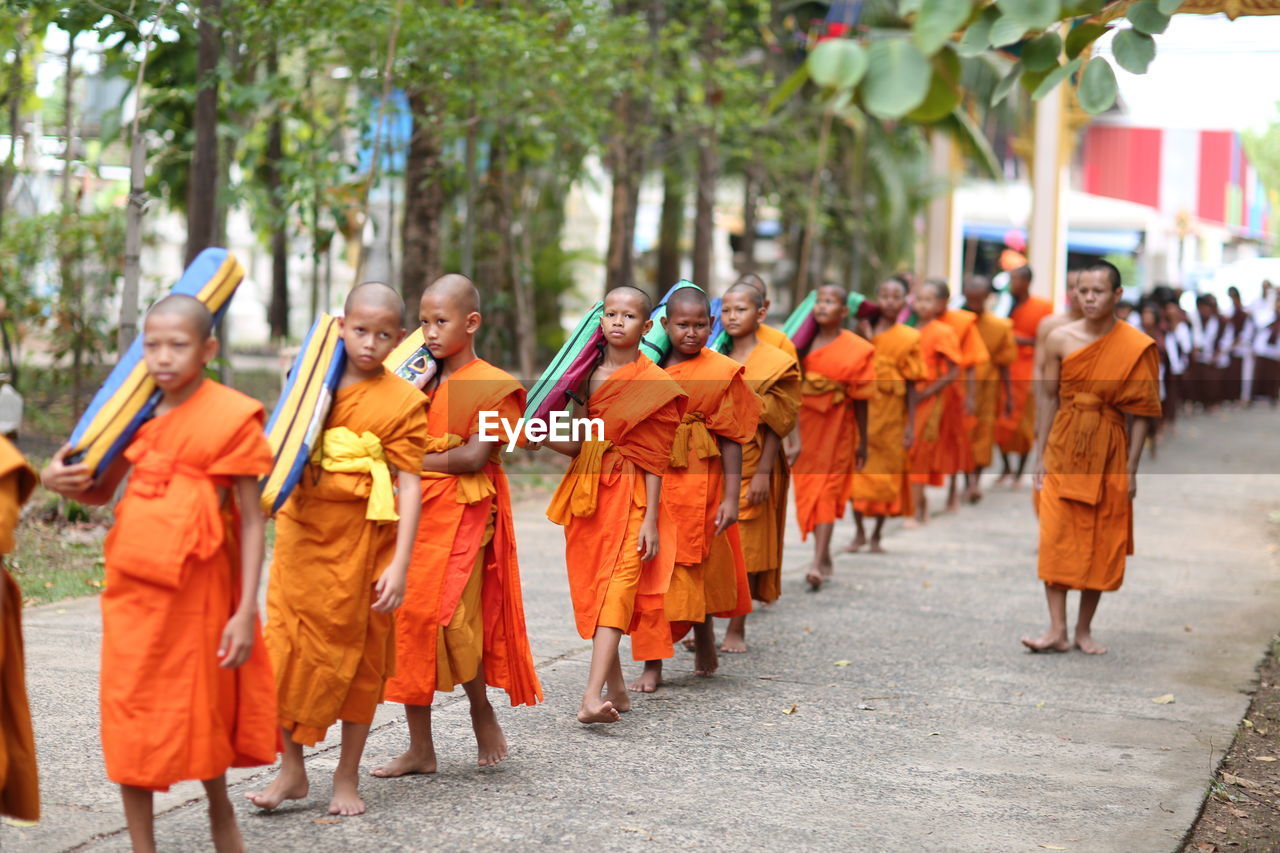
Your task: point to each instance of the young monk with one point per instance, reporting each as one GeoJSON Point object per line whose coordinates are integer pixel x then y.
{"type": "Point", "coordinates": [343, 544]}
{"type": "Point", "coordinates": [19, 788]}
{"type": "Point", "coordinates": [1100, 394]}
{"type": "Point", "coordinates": [463, 618]}
{"type": "Point", "coordinates": [881, 488]}
{"type": "Point", "coordinates": [619, 537]}
{"type": "Point", "coordinates": [838, 371]}
{"type": "Point", "coordinates": [186, 685]}
{"type": "Point", "coordinates": [990, 378]}
{"type": "Point", "coordinates": [1015, 430]}
{"type": "Point", "coordinates": [940, 352]}
{"type": "Point", "coordinates": [700, 489]}
{"type": "Point", "coordinates": [768, 334]}
{"type": "Point", "coordinates": [955, 450]}
{"type": "Point", "coordinates": [762, 503]}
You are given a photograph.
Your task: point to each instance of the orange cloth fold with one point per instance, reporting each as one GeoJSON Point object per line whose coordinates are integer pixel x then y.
{"type": "Point", "coordinates": [955, 451]}
{"type": "Point", "coordinates": [880, 488]}
{"type": "Point", "coordinates": [777, 338]}
{"type": "Point", "coordinates": [169, 712]}
{"type": "Point", "coordinates": [1015, 432]}
{"type": "Point", "coordinates": [19, 784]}
{"type": "Point", "coordinates": [939, 348]}
{"type": "Point", "coordinates": [996, 334]}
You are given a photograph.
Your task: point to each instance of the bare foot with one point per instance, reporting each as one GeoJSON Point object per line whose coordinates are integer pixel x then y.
{"type": "Point", "coordinates": [826, 567]}
{"type": "Point", "coordinates": [974, 495]}
{"type": "Point", "coordinates": [814, 578]}
{"type": "Point", "coordinates": [601, 711]}
{"type": "Point", "coordinates": [1047, 642]}
{"type": "Point", "coordinates": [1085, 643]}
{"type": "Point", "coordinates": [734, 644]}
{"type": "Point", "coordinates": [225, 831]}
{"type": "Point", "coordinates": [1002, 479]}
{"type": "Point", "coordinates": [876, 547]}
{"type": "Point", "coordinates": [408, 764]}
{"type": "Point", "coordinates": [1016, 483]}
{"type": "Point", "coordinates": [689, 644]}
{"type": "Point", "coordinates": [856, 544]}
{"type": "Point", "coordinates": [953, 505]}
{"type": "Point", "coordinates": [286, 786]}
{"type": "Point", "coordinates": [346, 800]}
{"type": "Point", "coordinates": [491, 745]}
{"type": "Point", "coordinates": [913, 522]}
{"type": "Point", "coordinates": [705, 660]}
{"type": "Point", "coordinates": [621, 701]}
{"type": "Point", "coordinates": [649, 680]}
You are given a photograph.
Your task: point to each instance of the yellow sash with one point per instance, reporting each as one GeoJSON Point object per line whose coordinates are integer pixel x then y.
{"type": "Point", "coordinates": [342, 451]}
{"type": "Point", "coordinates": [692, 434]}
{"type": "Point", "coordinates": [579, 490]}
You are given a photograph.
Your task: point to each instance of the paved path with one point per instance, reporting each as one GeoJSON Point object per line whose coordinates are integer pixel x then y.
{"type": "Point", "coordinates": [940, 733]}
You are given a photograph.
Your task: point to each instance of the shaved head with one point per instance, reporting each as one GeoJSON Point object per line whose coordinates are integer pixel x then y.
{"type": "Point", "coordinates": [458, 289]}
{"type": "Point", "coordinates": [376, 295]}
{"type": "Point", "coordinates": [749, 290]}
{"type": "Point", "coordinates": [646, 304]}
{"type": "Point", "coordinates": [979, 285]}
{"type": "Point", "coordinates": [187, 307]}
{"type": "Point", "coordinates": [844, 294]}
{"type": "Point", "coordinates": [689, 297]}
{"type": "Point", "coordinates": [755, 282]}
{"type": "Point", "coordinates": [941, 287]}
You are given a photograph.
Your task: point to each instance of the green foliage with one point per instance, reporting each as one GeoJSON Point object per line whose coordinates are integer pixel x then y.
{"type": "Point", "coordinates": [1263, 150]}
{"type": "Point", "coordinates": [838, 64]}
{"type": "Point", "coordinates": [897, 80]}
{"type": "Point", "coordinates": [1145, 15]}
{"type": "Point", "coordinates": [1097, 85]}
{"type": "Point", "coordinates": [1133, 50]}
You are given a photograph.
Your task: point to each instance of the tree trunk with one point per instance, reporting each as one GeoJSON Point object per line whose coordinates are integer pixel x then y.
{"type": "Point", "coordinates": [202, 193]}
{"type": "Point", "coordinates": [619, 261]}
{"type": "Point", "coordinates": [424, 203]}
{"type": "Point", "coordinates": [671, 224]}
{"type": "Point", "coordinates": [469, 196]}
{"type": "Point", "coordinates": [803, 266]}
{"type": "Point", "coordinates": [705, 209]}
{"type": "Point", "coordinates": [515, 237]}
{"type": "Point", "coordinates": [14, 92]}
{"type": "Point", "coordinates": [750, 205]}
{"type": "Point", "coordinates": [278, 315]}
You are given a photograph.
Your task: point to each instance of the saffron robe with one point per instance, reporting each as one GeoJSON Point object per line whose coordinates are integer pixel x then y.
{"type": "Point", "coordinates": [332, 653]}
{"type": "Point", "coordinates": [19, 787]}
{"type": "Point", "coordinates": [955, 452]}
{"type": "Point", "coordinates": [834, 375]}
{"type": "Point", "coordinates": [778, 338]}
{"type": "Point", "coordinates": [1015, 432]}
{"type": "Point", "coordinates": [601, 501]}
{"type": "Point", "coordinates": [996, 334]}
{"type": "Point", "coordinates": [881, 488]}
{"type": "Point", "coordinates": [169, 712]}
{"type": "Point", "coordinates": [465, 551]}
{"type": "Point", "coordinates": [939, 347]}
{"type": "Point", "coordinates": [1086, 517]}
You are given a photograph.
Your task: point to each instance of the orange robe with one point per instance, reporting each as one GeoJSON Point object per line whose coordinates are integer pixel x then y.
{"type": "Point", "coordinates": [997, 337]}
{"type": "Point", "coordinates": [1015, 433]}
{"type": "Point", "coordinates": [778, 338]}
{"type": "Point", "coordinates": [19, 788]}
{"type": "Point", "coordinates": [169, 712]}
{"type": "Point", "coordinates": [601, 501]}
{"type": "Point", "coordinates": [463, 586]}
{"type": "Point", "coordinates": [332, 653]}
{"type": "Point", "coordinates": [834, 375]}
{"type": "Point", "coordinates": [955, 451]}
{"type": "Point", "coordinates": [775, 378]}
{"type": "Point", "coordinates": [1086, 517]}
{"type": "Point", "coordinates": [881, 488]}
{"type": "Point", "coordinates": [938, 348]}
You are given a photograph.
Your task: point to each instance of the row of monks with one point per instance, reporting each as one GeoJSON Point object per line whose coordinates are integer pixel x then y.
{"type": "Point", "coordinates": [394, 573]}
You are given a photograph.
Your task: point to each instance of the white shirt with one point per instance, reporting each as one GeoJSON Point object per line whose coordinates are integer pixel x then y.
{"type": "Point", "coordinates": [1261, 343]}
{"type": "Point", "coordinates": [1178, 346]}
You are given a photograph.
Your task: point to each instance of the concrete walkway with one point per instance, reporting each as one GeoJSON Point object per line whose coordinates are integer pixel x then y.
{"type": "Point", "coordinates": [938, 733]}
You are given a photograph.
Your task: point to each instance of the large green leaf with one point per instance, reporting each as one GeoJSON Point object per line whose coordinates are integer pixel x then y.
{"type": "Point", "coordinates": [936, 21]}
{"type": "Point", "coordinates": [1147, 17]}
{"type": "Point", "coordinates": [1097, 91]}
{"type": "Point", "coordinates": [1081, 8]}
{"type": "Point", "coordinates": [1081, 36]}
{"type": "Point", "coordinates": [1006, 84]}
{"type": "Point", "coordinates": [1036, 14]}
{"type": "Point", "coordinates": [1133, 50]}
{"type": "Point", "coordinates": [1006, 31]}
{"type": "Point", "coordinates": [944, 89]}
{"type": "Point", "coordinates": [970, 138]}
{"type": "Point", "coordinates": [897, 78]}
{"type": "Point", "coordinates": [1041, 53]}
{"type": "Point", "coordinates": [1054, 77]}
{"type": "Point", "coordinates": [1168, 7]}
{"type": "Point", "coordinates": [788, 88]}
{"type": "Point", "coordinates": [838, 64]}
{"type": "Point", "coordinates": [977, 36]}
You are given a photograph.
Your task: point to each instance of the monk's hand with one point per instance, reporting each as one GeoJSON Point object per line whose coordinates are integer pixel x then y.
{"type": "Point", "coordinates": [908, 436]}
{"type": "Point", "coordinates": [1037, 475]}
{"type": "Point", "coordinates": [860, 456]}
{"type": "Point", "coordinates": [65, 479]}
{"type": "Point", "coordinates": [1133, 485]}
{"type": "Point", "coordinates": [647, 541]}
{"type": "Point", "coordinates": [1008, 407]}
{"type": "Point", "coordinates": [237, 641]}
{"type": "Point", "coordinates": [389, 589]}
{"type": "Point", "coordinates": [727, 514]}
{"type": "Point", "coordinates": [758, 489]}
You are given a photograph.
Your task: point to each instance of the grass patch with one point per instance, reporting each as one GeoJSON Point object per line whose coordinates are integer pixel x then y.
{"type": "Point", "coordinates": [55, 560]}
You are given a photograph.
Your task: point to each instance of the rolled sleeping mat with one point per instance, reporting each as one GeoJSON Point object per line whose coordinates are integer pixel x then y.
{"type": "Point", "coordinates": [297, 422]}
{"type": "Point", "coordinates": [719, 339]}
{"type": "Point", "coordinates": [656, 344]}
{"type": "Point", "coordinates": [800, 326]}
{"type": "Point", "coordinates": [569, 367]}
{"type": "Point", "coordinates": [129, 396]}
{"type": "Point", "coordinates": [412, 361]}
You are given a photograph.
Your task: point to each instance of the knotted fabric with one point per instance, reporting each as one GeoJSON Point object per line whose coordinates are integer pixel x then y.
{"type": "Point", "coordinates": [817, 385]}
{"type": "Point", "coordinates": [692, 434]}
{"type": "Point", "coordinates": [473, 486]}
{"type": "Point", "coordinates": [1088, 445]}
{"type": "Point", "coordinates": [343, 451]}
{"type": "Point", "coordinates": [579, 490]}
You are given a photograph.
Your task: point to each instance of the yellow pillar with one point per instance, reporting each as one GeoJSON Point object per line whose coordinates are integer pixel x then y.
{"type": "Point", "coordinates": [942, 238]}
{"type": "Point", "coordinates": [1047, 237]}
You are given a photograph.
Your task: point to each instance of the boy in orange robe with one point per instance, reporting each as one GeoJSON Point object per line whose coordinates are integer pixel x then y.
{"type": "Point", "coordinates": [990, 379]}
{"type": "Point", "coordinates": [839, 372]}
{"type": "Point", "coordinates": [19, 788]}
{"type": "Point", "coordinates": [881, 489]}
{"type": "Point", "coordinates": [1100, 395]}
{"type": "Point", "coordinates": [940, 352]}
{"type": "Point", "coordinates": [955, 452]}
{"type": "Point", "coordinates": [762, 503]}
{"type": "Point", "coordinates": [700, 490]}
{"type": "Point", "coordinates": [619, 537]}
{"type": "Point", "coordinates": [343, 543]}
{"type": "Point", "coordinates": [462, 621]}
{"type": "Point", "coordinates": [764, 333]}
{"type": "Point", "coordinates": [186, 686]}
{"type": "Point", "coordinates": [1015, 430]}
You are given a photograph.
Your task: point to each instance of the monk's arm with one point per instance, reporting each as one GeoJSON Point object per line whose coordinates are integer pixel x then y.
{"type": "Point", "coordinates": [731, 461]}
{"type": "Point", "coordinates": [568, 448]}
{"type": "Point", "coordinates": [758, 488]}
{"type": "Point", "coordinates": [390, 585]}
{"type": "Point", "coordinates": [970, 403]}
{"type": "Point", "coordinates": [913, 400]}
{"type": "Point", "coordinates": [471, 456]}
{"type": "Point", "coordinates": [1006, 383]}
{"type": "Point", "coordinates": [76, 481]}
{"type": "Point", "coordinates": [941, 382]}
{"type": "Point", "coordinates": [1046, 392]}
{"type": "Point", "coordinates": [1138, 430]}
{"type": "Point", "coordinates": [647, 542]}
{"type": "Point", "coordinates": [860, 415]}
{"type": "Point", "coordinates": [237, 636]}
